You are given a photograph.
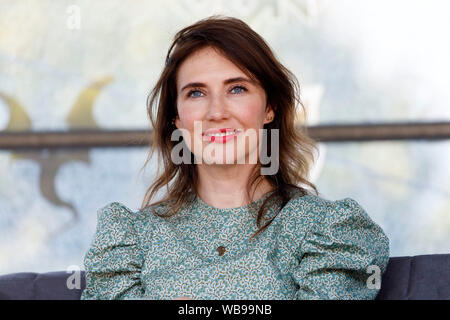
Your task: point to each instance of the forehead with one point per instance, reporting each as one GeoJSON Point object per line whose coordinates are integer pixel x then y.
{"type": "Point", "coordinates": [207, 64]}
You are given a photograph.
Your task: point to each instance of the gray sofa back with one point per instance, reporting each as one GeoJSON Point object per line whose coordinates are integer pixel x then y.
{"type": "Point", "coordinates": [406, 278]}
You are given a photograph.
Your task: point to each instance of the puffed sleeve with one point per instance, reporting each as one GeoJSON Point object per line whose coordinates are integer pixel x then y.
{"type": "Point", "coordinates": [113, 262]}
{"type": "Point", "coordinates": [339, 253]}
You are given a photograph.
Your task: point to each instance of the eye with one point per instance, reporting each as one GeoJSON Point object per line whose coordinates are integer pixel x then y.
{"type": "Point", "coordinates": [238, 89]}
{"type": "Point", "coordinates": [194, 93]}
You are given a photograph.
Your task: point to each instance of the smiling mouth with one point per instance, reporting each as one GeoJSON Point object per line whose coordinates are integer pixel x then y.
{"type": "Point", "coordinates": [221, 137]}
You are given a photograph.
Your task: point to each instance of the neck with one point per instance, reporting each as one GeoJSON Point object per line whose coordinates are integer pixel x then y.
{"type": "Point", "coordinates": [223, 186]}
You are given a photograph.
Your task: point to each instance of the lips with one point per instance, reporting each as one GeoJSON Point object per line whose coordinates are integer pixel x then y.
{"type": "Point", "coordinates": [218, 130]}
{"type": "Point", "coordinates": [209, 136]}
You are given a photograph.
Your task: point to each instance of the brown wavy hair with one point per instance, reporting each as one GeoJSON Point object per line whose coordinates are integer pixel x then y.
{"type": "Point", "coordinates": [247, 50]}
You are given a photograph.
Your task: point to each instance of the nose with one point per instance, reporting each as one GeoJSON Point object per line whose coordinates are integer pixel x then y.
{"type": "Point", "coordinates": [217, 109]}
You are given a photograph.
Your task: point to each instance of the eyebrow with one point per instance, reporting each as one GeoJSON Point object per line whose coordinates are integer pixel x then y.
{"type": "Point", "coordinates": [227, 81]}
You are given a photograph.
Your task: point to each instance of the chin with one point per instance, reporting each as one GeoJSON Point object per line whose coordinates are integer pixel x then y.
{"type": "Point", "coordinates": [222, 160]}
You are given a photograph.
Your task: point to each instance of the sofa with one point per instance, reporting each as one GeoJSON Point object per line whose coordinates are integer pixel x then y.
{"type": "Point", "coordinates": [423, 277]}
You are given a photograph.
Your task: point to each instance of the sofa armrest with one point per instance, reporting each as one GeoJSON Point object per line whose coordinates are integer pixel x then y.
{"type": "Point", "coordinates": [424, 277]}
{"type": "Point", "coordinates": [39, 286]}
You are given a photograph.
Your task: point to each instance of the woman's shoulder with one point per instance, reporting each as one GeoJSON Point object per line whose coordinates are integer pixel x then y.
{"type": "Point", "coordinates": [319, 203]}
{"type": "Point", "coordinates": [316, 210]}
{"type": "Point", "coordinates": [315, 223]}
{"type": "Point", "coordinates": [117, 224]}
{"type": "Point", "coordinates": [117, 211]}
{"type": "Point", "coordinates": [116, 216]}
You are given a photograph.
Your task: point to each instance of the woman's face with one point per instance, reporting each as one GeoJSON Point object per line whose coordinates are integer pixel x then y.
{"type": "Point", "coordinates": [214, 95]}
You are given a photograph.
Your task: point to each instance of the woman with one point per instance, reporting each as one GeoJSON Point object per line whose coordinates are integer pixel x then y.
{"type": "Point", "coordinates": [226, 228]}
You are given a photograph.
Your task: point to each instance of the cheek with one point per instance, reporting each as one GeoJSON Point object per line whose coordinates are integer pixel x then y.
{"type": "Point", "coordinates": [187, 117]}
{"type": "Point", "coordinates": [251, 115]}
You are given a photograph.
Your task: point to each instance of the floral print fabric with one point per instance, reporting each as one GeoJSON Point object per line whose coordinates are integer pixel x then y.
{"type": "Point", "coordinates": [313, 249]}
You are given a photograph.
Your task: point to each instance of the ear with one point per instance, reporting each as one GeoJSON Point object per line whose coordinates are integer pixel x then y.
{"type": "Point", "coordinates": [177, 122]}
{"type": "Point", "coordinates": [270, 115]}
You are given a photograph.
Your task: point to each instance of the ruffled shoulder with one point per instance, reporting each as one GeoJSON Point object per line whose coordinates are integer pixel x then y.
{"type": "Point", "coordinates": [113, 262]}
{"type": "Point", "coordinates": [341, 248]}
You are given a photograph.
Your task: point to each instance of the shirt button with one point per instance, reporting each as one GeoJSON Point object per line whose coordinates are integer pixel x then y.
{"type": "Point", "coordinates": [221, 250]}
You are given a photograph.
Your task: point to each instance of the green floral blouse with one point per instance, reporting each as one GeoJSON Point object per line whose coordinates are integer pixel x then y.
{"type": "Point", "coordinates": [313, 249]}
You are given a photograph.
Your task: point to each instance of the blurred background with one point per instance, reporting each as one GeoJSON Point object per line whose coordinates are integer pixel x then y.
{"type": "Point", "coordinates": [85, 66]}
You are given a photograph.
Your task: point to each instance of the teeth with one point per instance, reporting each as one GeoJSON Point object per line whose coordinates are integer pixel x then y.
{"type": "Point", "coordinates": [221, 134]}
